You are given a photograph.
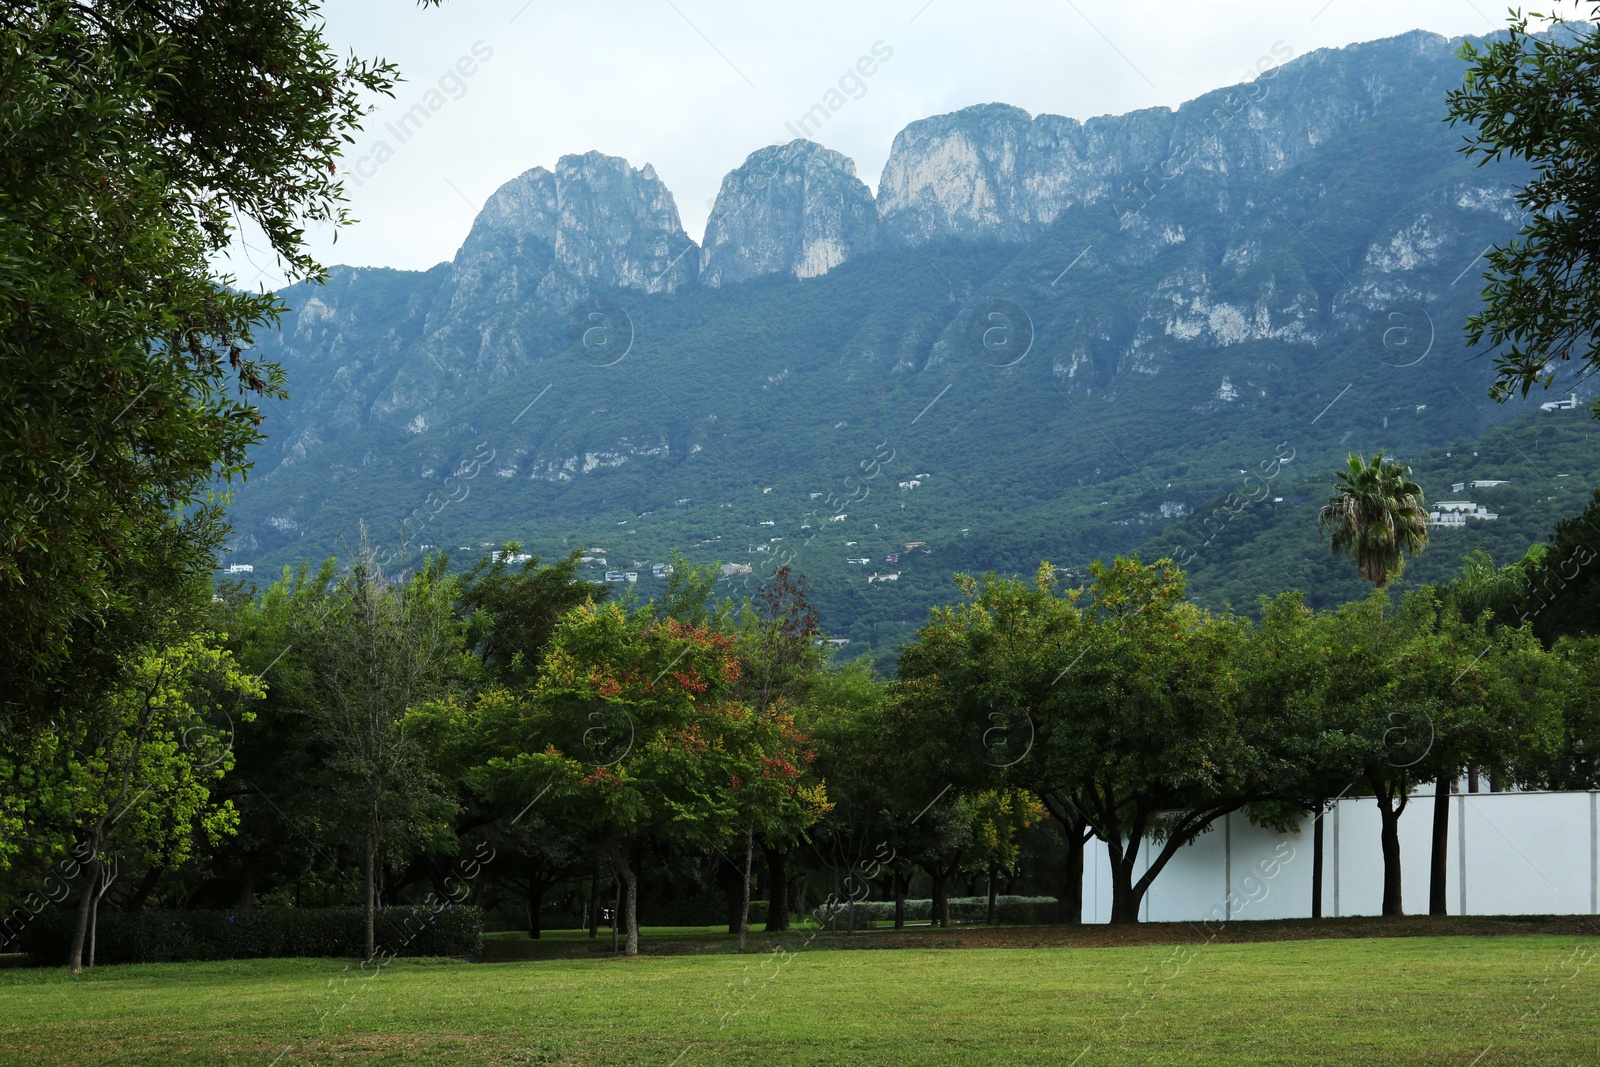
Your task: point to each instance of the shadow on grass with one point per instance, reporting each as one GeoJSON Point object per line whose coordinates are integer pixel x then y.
{"type": "Point", "coordinates": [514, 946]}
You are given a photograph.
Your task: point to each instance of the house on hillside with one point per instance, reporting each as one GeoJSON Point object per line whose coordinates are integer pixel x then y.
{"type": "Point", "coordinates": [1449, 514]}
{"type": "Point", "coordinates": [1569, 404]}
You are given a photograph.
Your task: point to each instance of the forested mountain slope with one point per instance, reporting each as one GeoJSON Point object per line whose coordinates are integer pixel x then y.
{"type": "Point", "coordinates": [1042, 339]}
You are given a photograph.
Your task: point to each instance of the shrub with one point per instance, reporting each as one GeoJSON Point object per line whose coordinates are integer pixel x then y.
{"type": "Point", "coordinates": [255, 933]}
{"type": "Point", "coordinates": [1012, 910]}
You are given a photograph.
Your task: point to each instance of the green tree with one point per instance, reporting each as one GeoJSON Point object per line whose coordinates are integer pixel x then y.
{"type": "Point", "coordinates": [1498, 592]}
{"type": "Point", "coordinates": [1148, 722]}
{"type": "Point", "coordinates": [974, 701]}
{"type": "Point", "coordinates": [619, 728]}
{"type": "Point", "coordinates": [138, 136]}
{"type": "Point", "coordinates": [1413, 694]}
{"type": "Point", "coordinates": [1534, 96]}
{"type": "Point", "coordinates": [1000, 818]}
{"type": "Point", "coordinates": [1491, 706]}
{"type": "Point", "coordinates": [1562, 595]}
{"type": "Point", "coordinates": [1377, 517]}
{"type": "Point", "coordinates": [1378, 732]}
{"type": "Point", "coordinates": [133, 774]}
{"type": "Point", "coordinates": [1283, 674]}
{"type": "Point", "coordinates": [779, 662]}
{"type": "Point", "coordinates": [845, 716]}
{"type": "Point", "coordinates": [1573, 762]}
{"type": "Point", "coordinates": [511, 614]}
{"type": "Point", "coordinates": [382, 649]}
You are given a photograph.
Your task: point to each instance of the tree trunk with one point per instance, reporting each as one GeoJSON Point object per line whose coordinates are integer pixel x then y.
{"type": "Point", "coordinates": [1316, 858]}
{"type": "Point", "coordinates": [991, 893]}
{"type": "Point", "coordinates": [247, 884]}
{"type": "Point", "coordinates": [535, 906]}
{"type": "Point", "coordinates": [81, 929]}
{"type": "Point", "coordinates": [777, 889]}
{"type": "Point", "coordinates": [1441, 845]}
{"type": "Point", "coordinates": [1389, 813]}
{"type": "Point", "coordinates": [102, 884]}
{"type": "Point", "coordinates": [1074, 830]}
{"type": "Point", "coordinates": [371, 867]}
{"type": "Point", "coordinates": [950, 875]}
{"type": "Point", "coordinates": [1124, 898]}
{"type": "Point", "coordinates": [594, 903]}
{"type": "Point", "coordinates": [1072, 890]}
{"type": "Point", "coordinates": [729, 878]}
{"type": "Point", "coordinates": [936, 908]}
{"type": "Point", "coordinates": [147, 885]}
{"type": "Point", "coordinates": [631, 925]}
{"type": "Point", "coordinates": [1472, 779]}
{"type": "Point", "coordinates": [744, 902]}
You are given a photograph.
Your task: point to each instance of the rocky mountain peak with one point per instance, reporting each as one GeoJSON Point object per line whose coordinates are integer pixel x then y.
{"type": "Point", "coordinates": [794, 209]}
{"type": "Point", "coordinates": [619, 226]}
{"type": "Point", "coordinates": [962, 175]}
{"type": "Point", "coordinates": [595, 220]}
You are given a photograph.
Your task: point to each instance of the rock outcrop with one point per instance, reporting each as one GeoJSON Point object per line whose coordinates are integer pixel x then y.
{"type": "Point", "coordinates": [596, 219]}
{"type": "Point", "coordinates": [795, 209]}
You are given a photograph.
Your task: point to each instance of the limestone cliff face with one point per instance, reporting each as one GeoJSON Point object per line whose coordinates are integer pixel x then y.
{"type": "Point", "coordinates": [960, 175]}
{"type": "Point", "coordinates": [992, 172]}
{"type": "Point", "coordinates": [619, 226]}
{"type": "Point", "coordinates": [595, 220]}
{"type": "Point", "coordinates": [795, 209]}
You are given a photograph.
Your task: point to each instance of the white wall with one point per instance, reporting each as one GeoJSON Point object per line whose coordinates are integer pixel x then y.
{"type": "Point", "coordinates": [1522, 854]}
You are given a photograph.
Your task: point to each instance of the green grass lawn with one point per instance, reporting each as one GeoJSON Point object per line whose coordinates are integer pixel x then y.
{"type": "Point", "coordinates": [1391, 1001]}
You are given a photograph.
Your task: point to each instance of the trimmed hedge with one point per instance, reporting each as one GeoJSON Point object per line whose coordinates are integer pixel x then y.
{"type": "Point", "coordinates": [255, 933]}
{"type": "Point", "coordinates": [1012, 910]}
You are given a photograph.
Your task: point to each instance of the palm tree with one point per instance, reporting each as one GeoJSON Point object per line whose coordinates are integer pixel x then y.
{"type": "Point", "coordinates": [1376, 516]}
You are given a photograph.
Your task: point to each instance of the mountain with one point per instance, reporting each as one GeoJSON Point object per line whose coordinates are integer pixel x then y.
{"type": "Point", "coordinates": [1041, 339]}
{"type": "Point", "coordinates": [795, 209]}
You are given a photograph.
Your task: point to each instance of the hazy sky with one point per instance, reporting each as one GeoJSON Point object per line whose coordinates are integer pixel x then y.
{"type": "Point", "coordinates": [693, 86]}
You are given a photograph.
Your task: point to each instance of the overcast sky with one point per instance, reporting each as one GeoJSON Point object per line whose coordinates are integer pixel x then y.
{"type": "Point", "coordinates": [693, 86]}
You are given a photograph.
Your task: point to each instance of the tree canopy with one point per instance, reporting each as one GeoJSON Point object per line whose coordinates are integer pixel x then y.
{"type": "Point", "coordinates": [139, 138]}
{"type": "Point", "coordinates": [1536, 96]}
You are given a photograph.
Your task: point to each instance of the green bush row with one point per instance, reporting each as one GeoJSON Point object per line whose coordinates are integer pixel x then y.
{"type": "Point", "coordinates": [1014, 910]}
{"type": "Point", "coordinates": [254, 933]}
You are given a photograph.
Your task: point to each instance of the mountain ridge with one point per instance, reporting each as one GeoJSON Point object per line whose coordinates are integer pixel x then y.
{"type": "Point", "coordinates": [1053, 390]}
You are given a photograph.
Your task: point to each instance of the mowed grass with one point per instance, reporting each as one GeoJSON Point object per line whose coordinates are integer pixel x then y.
{"type": "Point", "coordinates": [1396, 1001]}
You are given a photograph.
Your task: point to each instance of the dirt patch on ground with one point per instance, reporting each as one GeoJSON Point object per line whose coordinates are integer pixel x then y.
{"type": "Point", "coordinates": [980, 936]}
{"type": "Point", "coordinates": [1236, 932]}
